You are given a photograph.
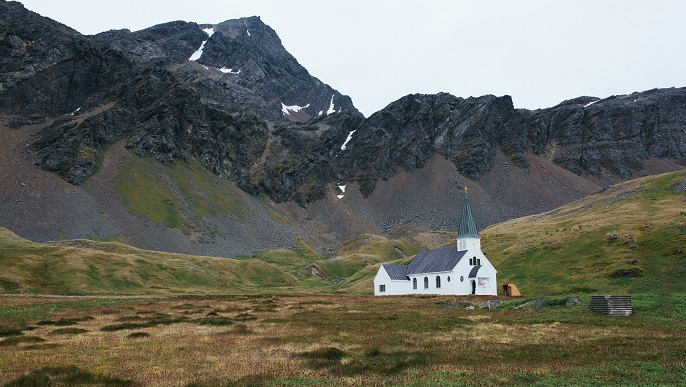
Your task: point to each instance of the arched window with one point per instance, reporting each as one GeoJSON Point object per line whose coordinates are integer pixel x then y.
{"type": "Point", "coordinates": [414, 283]}
{"type": "Point", "coordinates": [448, 278]}
{"type": "Point", "coordinates": [438, 282]}
{"type": "Point", "coordinates": [426, 282]}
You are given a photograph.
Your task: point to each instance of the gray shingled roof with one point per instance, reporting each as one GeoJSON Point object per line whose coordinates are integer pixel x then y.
{"type": "Point", "coordinates": [467, 223]}
{"type": "Point", "coordinates": [396, 272]}
{"type": "Point", "coordinates": [434, 261]}
{"type": "Point", "coordinates": [473, 272]}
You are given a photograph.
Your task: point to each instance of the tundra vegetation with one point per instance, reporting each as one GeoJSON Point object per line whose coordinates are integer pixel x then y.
{"type": "Point", "coordinates": [308, 339]}
{"type": "Point", "coordinates": [297, 317]}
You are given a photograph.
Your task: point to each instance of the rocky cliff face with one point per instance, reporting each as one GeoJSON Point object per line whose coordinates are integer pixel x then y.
{"type": "Point", "coordinates": [409, 132]}
{"type": "Point", "coordinates": [616, 134]}
{"type": "Point", "coordinates": [231, 97]}
{"type": "Point", "coordinates": [585, 135]}
{"type": "Point", "coordinates": [172, 91]}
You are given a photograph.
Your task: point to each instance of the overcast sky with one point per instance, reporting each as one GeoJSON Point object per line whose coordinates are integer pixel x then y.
{"type": "Point", "coordinates": [540, 52]}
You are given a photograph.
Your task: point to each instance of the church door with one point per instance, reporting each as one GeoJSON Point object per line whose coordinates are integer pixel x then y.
{"type": "Point", "coordinates": [473, 287]}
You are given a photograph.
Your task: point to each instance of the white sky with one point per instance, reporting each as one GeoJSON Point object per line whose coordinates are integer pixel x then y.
{"type": "Point", "coordinates": [540, 52]}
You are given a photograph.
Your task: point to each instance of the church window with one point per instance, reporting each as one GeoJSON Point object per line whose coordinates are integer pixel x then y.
{"type": "Point", "coordinates": [478, 262]}
{"type": "Point", "coordinates": [438, 282]}
{"type": "Point", "coordinates": [461, 278]}
{"type": "Point", "coordinates": [448, 278]}
{"type": "Point", "coordinates": [414, 283]}
{"type": "Point", "coordinates": [382, 288]}
{"type": "Point", "coordinates": [426, 282]}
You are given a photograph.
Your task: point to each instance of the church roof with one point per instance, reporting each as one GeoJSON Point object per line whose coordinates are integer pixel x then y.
{"type": "Point", "coordinates": [396, 272]}
{"type": "Point", "coordinates": [474, 271]}
{"type": "Point", "coordinates": [467, 224]}
{"type": "Point", "coordinates": [435, 261]}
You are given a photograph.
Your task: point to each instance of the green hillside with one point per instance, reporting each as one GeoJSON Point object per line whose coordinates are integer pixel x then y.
{"type": "Point", "coordinates": [92, 267]}
{"type": "Point", "coordinates": [114, 268]}
{"type": "Point", "coordinates": [629, 238]}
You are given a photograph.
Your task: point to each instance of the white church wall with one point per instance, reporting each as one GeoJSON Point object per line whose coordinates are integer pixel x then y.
{"type": "Point", "coordinates": [447, 287]}
{"type": "Point", "coordinates": [390, 287]}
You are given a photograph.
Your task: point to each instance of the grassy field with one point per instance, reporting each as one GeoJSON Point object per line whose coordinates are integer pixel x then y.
{"type": "Point", "coordinates": [305, 339]}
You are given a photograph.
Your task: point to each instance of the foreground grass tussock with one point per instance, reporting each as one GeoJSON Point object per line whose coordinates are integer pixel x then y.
{"type": "Point", "coordinates": [341, 340]}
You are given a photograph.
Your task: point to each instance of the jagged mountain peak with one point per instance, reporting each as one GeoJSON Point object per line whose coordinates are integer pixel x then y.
{"type": "Point", "coordinates": [251, 26]}
{"type": "Point", "coordinates": [230, 97]}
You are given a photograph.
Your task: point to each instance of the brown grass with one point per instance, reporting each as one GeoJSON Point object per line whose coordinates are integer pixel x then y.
{"type": "Point", "coordinates": [319, 339]}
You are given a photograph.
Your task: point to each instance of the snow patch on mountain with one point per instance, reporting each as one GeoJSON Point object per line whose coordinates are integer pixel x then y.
{"type": "Point", "coordinates": [347, 140]}
{"type": "Point", "coordinates": [342, 194]}
{"type": "Point", "coordinates": [230, 71]}
{"type": "Point", "coordinates": [196, 55]}
{"type": "Point", "coordinates": [293, 108]}
{"type": "Point", "coordinates": [331, 110]}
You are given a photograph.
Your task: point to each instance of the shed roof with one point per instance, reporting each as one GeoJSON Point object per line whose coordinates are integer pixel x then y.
{"type": "Point", "coordinates": [467, 224]}
{"type": "Point", "coordinates": [435, 261]}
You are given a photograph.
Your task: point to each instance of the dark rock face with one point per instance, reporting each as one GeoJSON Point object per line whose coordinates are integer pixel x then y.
{"type": "Point", "coordinates": [47, 68]}
{"type": "Point", "coordinates": [616, 134]}
{"type": "Point", "coordinates": [410, 131]}
{"type": "Point", "coordinates": [142, 88]}
{"type": "Point", "coordinates": [172, 42]}
{"type": "Point", "coordinates": [299, 160]}
{"type": "Point", "coordinates": [259, 62]}
{"type": "Point", "coordinates": [250, 112]}
{"type": "Point", "coordinates": [585, 135]}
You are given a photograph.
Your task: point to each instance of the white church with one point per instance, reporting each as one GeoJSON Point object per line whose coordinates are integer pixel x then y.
{"type": "Point", "coordinates": [458, 270]}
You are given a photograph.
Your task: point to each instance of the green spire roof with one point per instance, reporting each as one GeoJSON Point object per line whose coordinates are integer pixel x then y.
{"type": "Point", "coordinates": [467, 225]}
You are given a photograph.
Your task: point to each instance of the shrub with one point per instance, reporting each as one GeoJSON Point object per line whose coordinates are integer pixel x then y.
{"type": "Point", "coordinates": [6, 331]}
{"type": "Point", "coordinates": [216, 321]}
{"type": "Point", "coordinates": [69, 376]}
{"type": "Point", "coordinates": [138, 335]}
{"type": "Point", "coordinates": [21, 340]}
{"type": "Point", "coordinates": [67, 331]}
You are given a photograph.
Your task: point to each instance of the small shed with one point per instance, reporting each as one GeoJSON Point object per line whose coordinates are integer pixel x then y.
{"type": "Point", "coordinates": [511, 290]}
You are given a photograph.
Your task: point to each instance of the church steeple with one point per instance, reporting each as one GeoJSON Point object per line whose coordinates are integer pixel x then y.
{"type": "Point", "coordinates": [467, 224]}
{"type": "Point", "coordinates": [468, 231]}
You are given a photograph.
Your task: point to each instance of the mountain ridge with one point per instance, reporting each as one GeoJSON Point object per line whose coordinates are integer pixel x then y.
{"type": "Point", "coordinates": [92, 110]}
